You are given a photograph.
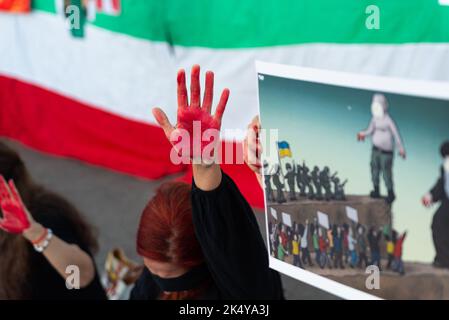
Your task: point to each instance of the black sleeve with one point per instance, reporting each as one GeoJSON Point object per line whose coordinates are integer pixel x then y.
{"type": "Point", "coordinates": [145, 288]}
{"type": "Point", "coordinates": [437, 191]}
{"type": "Point", "coordinates": [232, 244]}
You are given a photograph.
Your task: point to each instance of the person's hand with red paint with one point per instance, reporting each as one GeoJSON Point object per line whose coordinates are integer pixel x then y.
{"type": "Point", "coordinates": [16, 218]}
{"type": "Point", "coordinates": [196, 120]}
{"type": "Point", "coordinates": [252, 149]}
{"type": "Point", "coordinates": [60, 254]}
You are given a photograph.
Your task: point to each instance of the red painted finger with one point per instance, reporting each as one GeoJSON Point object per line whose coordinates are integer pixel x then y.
{"type": "Point", "coordinates": [4, 190]}
{"type": "Point", "coordinates": [182, 89]}
{"type": "Point", "coordinates": [15, 194]}
{"type": "Point", "coordinates": [222, 105]}
{"type": "Point", "coordinates": [163, 121]}
{"type": "Point", "coordinates": [208, 92]}
{"type": "Point", "coordinates": [195, 90]}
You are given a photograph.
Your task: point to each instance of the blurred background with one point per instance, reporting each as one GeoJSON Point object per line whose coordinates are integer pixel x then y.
{"type": "Point", "coordinates": [76, 91]}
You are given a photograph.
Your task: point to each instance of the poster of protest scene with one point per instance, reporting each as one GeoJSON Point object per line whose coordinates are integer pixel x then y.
{"type": "Point", "coordinates": [356, 177]}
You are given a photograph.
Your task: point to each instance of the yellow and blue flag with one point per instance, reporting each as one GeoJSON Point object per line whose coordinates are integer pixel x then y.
{"type": "Point", "coordinates": [284, 149]}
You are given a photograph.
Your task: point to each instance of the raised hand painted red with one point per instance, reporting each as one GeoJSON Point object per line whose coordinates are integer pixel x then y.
{"type": "Point", "coordinates": [195, 118]}
{"type": "Point", "coordinates": [15, 216]}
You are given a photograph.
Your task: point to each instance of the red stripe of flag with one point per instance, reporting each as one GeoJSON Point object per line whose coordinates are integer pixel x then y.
{"type": "Point", "coordinates": [116, 5]}
{"type": "Point", "coordinates": [58, 125]}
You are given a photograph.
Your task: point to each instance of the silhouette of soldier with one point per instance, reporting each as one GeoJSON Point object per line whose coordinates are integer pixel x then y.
{"type": "Point", "coordinates": [300, 180]}
{"type": "Point", "coordinates": [325, 182]}
{"type": "Point", "coordinates": [339, 189]}
{"type": "Point", "coordinates": [267, 180]}
{"type": "Point", "coordinates": [278, 185]}
{"type": "Point", "coordinates": [290, 177]}
{"type": "Point", "coordinates": [317, 183]}
{"type": "Point", "coordinates": [307, 181]}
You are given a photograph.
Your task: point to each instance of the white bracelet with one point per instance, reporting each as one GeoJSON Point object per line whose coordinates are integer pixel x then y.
{"type": "Point", "coordinates": [40, 247]}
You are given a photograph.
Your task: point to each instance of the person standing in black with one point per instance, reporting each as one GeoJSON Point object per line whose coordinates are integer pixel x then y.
{"type": "Point", "coordinates": [440, 223]}
{"type": "Point", "coordinates": [280, 197]}
{"type": "Point", "coordinates": [290, 177]}
{"type": "Point", "coordinates": [362, 247]}
{"type": "Point", "coordinates": [267, 179]}
{"type": "Point", "coordinates": [374, 237]}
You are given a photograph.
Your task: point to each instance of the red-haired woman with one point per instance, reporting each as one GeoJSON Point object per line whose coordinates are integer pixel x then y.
{"type": "Point", "coordinates": [202, 241]}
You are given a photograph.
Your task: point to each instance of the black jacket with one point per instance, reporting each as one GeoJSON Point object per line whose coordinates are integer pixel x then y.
{"type": "Point", "coordinates": [232, 245]}
{"type": "Point", "coordinates": [438, 192]}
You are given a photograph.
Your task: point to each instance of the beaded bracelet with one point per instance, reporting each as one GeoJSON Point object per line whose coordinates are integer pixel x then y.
{"type": "Point", "coordinates": [44, 244]}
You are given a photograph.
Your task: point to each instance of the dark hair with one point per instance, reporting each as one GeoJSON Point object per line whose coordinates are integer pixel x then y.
{"type": "Point", "coordinates": [15, 256]}
{"type": "Point", "coordinates": [445, 149]}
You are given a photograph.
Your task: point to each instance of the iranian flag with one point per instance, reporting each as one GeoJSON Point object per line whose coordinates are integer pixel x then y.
{"type": "Point", "coordinates": [16, 6]}
{"type": "Point", "coordinates": [91, 98]}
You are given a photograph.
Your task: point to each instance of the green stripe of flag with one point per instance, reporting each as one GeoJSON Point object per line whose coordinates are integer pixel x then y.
{"type": "Point", "coordinates": [263, 23]}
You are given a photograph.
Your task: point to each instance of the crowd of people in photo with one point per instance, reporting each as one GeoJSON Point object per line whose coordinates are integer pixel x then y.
{"type": "Point", "coordinates": [352, 245]}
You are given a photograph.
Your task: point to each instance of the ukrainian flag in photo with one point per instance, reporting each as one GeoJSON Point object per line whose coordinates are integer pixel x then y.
{"type": "Point", "coordinates": [284, 149]}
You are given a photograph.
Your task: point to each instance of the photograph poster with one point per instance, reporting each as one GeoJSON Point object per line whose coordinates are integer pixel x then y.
{"type": "Point", "coordinates": [360, 165]}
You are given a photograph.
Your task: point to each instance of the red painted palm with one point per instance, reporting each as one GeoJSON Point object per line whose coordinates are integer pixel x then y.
{"type": "Point", "coordinates": [15, 215]}
{"type": "Point", "coordinates": [195, 120]}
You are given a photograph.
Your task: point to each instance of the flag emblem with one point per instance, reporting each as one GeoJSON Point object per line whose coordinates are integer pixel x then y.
{"type": "Point", "coordinates": [284, 149]}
